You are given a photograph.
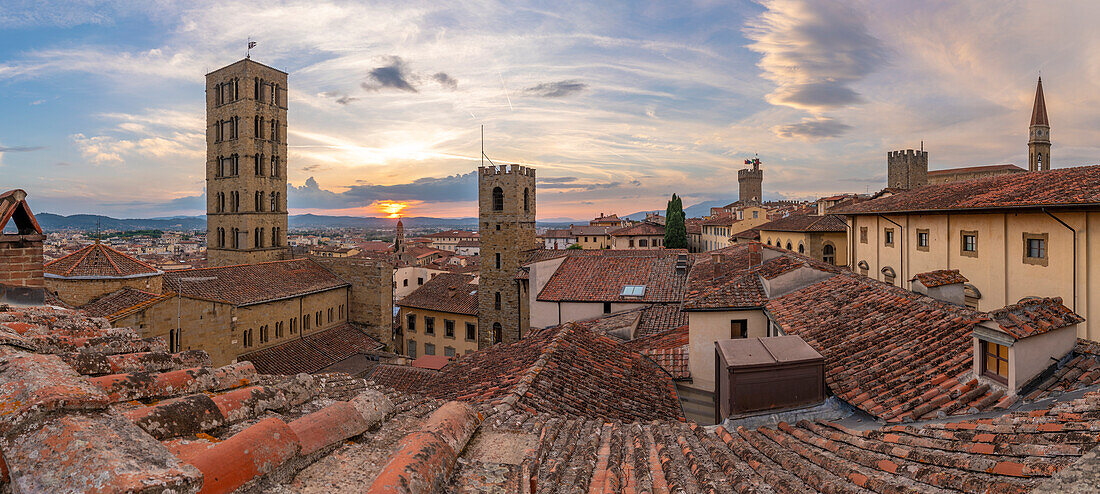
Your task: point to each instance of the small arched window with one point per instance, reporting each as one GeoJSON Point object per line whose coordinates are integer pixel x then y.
{"type": "Point", "coordinates": [888, 275]}
{"type": "Point", "coordinates": [828, 253]}
{"type": "Point", "coordinates": [769, 241]}
{"type": "Point", "coordinates": [526, 201]}
{"type": "Point", "coordinates": [498, 199]}
{"type": "Point", "coordinates": [498, 333]}
{"type": "Point", "coordinates": [801, 248]}
{"type": "Point", "coordinates": [788, 245]}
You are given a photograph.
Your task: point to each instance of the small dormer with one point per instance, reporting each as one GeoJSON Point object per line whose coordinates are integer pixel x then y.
{"type": "Point", "coordinates": [1022, 340]}
{"type": "Point", "coordinates": [943, 284]}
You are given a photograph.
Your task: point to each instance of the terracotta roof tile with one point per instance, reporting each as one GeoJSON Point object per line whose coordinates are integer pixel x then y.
{"type": "Point", "coordinates": [658, 318]}
{"type": "Point", "coordinates": [601, 277]}
{"type": "Point", "coordinates": [940, 277]}
{"type": "Point", "coordinates": [13, 204]}
{"type": "Point", "coordinates": [668, 348]}
{"type": "Point", "coordinates": [247, 284]}
{"type": "Point", "coordinates": [98, 261]}
{"type": "Point", "coordinates": [313, 352]}
{"type": "Point", "coordinates": [1060, 187]}
{"type": "Point", "coordinates": [445, 292]}
{"type": "Point", "coordinates": [404, 378]}
{"type": "Point", "coordinates": [978, 168]}
{"type": "Point", "coordinates": [1034, 317]}
{"type": "Point", "coordinates": [117, 301]}
{"type": "Point", "coordinates": [644, 228]}
{"type": "Point", "coordinates": [805, 223]}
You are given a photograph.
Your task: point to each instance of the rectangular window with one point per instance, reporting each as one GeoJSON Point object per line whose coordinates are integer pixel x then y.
{"type": "Point", "coordinates": [922, 240]}
{"type": "Point", "coordinates": [607, 307]}
{"type": "Point", "coordinates": [969, 243]}
{"type": "Point", "coordinates": [995, 361]}
{"type": "Point", "coordinates": [1035, 249]}
{"type": "Point", "coordinates": [412, 348]}
{"type": "Point", "coordinates": [862, 234]}
{"type": "Point", "coordinates": [410, 322]}
{"type": "Point", "coordinates": [429, 327]}
{"type": "Point", "coordinates": [739, 328]}
{"type": "Point", "coordinates": [429, 349]}
{"type": "Point", "coordinates": [888, 235]}
{"type": "Point", "coordinates": [449, 351]}
{"type": "Point", "coordinates": [419, 281]}
{"type": "Point", "coordinates": [471, 331]}
{"type": "Point", "coordinates": [448, 328]}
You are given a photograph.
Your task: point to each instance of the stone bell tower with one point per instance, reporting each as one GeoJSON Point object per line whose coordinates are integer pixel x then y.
{"type": "Point", "coordinates": [1038, 142]}
{"type": "Point", "coordinates": [246, 216]}
{"type": "Point", "coordinates": [506, 224]}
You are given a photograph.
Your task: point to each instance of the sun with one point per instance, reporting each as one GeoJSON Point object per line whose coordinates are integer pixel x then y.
{"type": "Point", "coordinates": [392, 209]}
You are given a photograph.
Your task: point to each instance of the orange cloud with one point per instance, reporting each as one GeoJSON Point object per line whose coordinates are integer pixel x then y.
{"type": "Point", "coordinates": [392, 209]}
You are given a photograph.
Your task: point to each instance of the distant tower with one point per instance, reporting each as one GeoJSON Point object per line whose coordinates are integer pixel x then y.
{"type": "Point", "coordinates": [750, 182]}
{"type": "Point", "coordinates": [246, 218]}
{"type": "Point", "coordinates": [907, 169]}
{"type": "Point", "coordinates": [506, 205]}
{"type": "Point", "coordinates": [1038, 142]}
{"type": "Point", "coordinates": [399, 240]}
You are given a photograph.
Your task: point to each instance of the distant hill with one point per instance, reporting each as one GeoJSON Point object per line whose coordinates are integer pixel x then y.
{"type": "Point", "coordinates": [89, 222]}
{"type": "Point", "coordinates": [694, 211]}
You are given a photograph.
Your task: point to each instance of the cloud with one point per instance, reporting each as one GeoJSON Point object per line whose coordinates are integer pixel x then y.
{"type": "Point", "coordinates": [556, 180]}
{"type": "Point", "coordinates": [395, 75]}
{"type": "Point", "coordinates": [557, 89]}
{"type": "Point", "coordinates": [454, 188]}
{"type": "Point", "coordinates": [814, 51]}
{"type": "Point", "coordinates": [20, 149]}
{"type": "Point", "coordinates": [813, 128]}
{"type": "Point", "coordinates": [345, 99]}
{"type": "Point", "coordinates": [445, 80]}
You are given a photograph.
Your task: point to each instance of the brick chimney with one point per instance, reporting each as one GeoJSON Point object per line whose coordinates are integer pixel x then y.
{"type": "Point", "coordinates": [21, 275]}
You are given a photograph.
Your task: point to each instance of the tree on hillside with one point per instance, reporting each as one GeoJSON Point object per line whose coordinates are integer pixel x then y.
{"type": "Point", "coordinates": [675, 228]}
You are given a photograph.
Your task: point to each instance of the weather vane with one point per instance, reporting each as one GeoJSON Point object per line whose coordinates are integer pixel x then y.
{"type": "Point", "coordinates": [251, 45]}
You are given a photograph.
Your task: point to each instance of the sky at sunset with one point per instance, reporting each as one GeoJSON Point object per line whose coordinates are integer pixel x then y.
{"type": "Point", "coordinates": [617, 104]}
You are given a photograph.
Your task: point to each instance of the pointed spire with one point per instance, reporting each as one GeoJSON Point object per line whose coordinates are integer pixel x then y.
{"type": "Point", "coordinates": [1039, 112]}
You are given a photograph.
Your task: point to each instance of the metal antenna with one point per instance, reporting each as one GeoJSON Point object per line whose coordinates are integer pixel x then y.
{"type": "Point", "coordinates": [482, 144]}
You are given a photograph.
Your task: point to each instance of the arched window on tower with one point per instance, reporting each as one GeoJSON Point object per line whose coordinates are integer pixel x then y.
{"type": "Point", "coordinates": [526, 200]}
{"type": "Point", "coordinates": [274, 204]}
{"type": "Point", "coordinates": [828, 254]}
{"type": "Point", "coordinates": [274, 166]}
{"type": "Point", "coordinates": [498, 199]}
{"type": "Point", "coordinates": [498, 333]}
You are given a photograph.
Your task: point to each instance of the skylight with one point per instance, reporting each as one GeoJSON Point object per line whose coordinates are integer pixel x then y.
{"type": "Point", "coordinates": [633, 290]}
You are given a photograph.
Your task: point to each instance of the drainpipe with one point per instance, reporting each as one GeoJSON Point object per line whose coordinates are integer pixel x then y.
{"type": "Point", "coordinates": [1070, 228]}
{"type": "Point", "coordinates": [901, 261]}
{"type": "Point", "coordinates": [851, 230]}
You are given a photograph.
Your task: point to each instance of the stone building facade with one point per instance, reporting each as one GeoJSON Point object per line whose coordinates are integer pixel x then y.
{"type": "Point", "coordinates": [97, 270]}
{"type": "Point", "coordinates": [246, 154]}
{"type": "Point", "coordinates": [506, 205]}
{"type": "Point", "coordinates": [906, 169]}
{"type": "Point", "coordinates": [371, 297]}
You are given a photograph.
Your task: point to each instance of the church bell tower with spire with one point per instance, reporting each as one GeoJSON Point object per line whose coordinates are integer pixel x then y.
{"type": "Point", "coordinates": [1038, 143]}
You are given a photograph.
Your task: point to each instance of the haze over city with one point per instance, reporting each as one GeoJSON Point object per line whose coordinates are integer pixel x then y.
{"type": "Point", "coordinates": [618, 104]}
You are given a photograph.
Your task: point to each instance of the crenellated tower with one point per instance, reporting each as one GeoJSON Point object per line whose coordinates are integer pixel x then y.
{"type": "Point", "coordinates": [506, 223]}
{"type": "Point", "coordinates": [246, 215]}
{"type": "Point", "coordinates": [907, 169]}
{"type": "Point", "coordinates": [750, 182]}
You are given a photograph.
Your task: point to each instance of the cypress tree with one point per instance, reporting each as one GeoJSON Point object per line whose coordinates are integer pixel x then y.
{"type": "Point", "coordinates": [675, 227]}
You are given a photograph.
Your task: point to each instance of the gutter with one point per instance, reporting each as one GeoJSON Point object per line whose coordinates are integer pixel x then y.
{"type": "Point", "coordinates": [1074, 254]}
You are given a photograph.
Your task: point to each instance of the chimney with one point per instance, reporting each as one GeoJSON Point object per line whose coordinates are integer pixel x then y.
{"type": "Point", "coordinates": [716, 257]}
{"type": "Point", "coordinates": [22, 281]}
{"type": "Point", "coordinates": [681, 263]}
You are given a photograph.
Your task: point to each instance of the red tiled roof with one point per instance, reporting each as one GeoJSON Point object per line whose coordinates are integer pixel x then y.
{"type": "Point", "coordinates": [551, 233]}
{"type": "Point", "coordinates": [313, 352]}
{"type": "Point", "coordinates": [735, 281]}
{"type": "Point", "coordinates": [404, 378]}
{"type": "Point", "coordinates": [117, 301]}
{"type": "Point", "coordinates": [246, 284]}
{"type": "Point", "coordinates": [612, 217]}
{"type": "Point", "coordinates": [468, 243]}
{"type": "Point", "coordinates": [433, 362]}
{"type": "Point", "coordinates": [568, 370]}
{"type": "Point", "coordinates": [979, 168]}
{"type": "Point", "coordinates": [640, 229]}
{"type": "Point", "coordinates": [719, 220]}
{"type": "Point", "coordinates": [669, 349]}
{"type": "Point", "coordinates": [453, 234]}
{"type": "Point", "coordinates": [445, 292]}
{"type": "Point", "coordinates": [940, 277]}
{"type": "Point", "coordinates": [658, 318]}
{"type": "Point", "coordinates": [590, 230]}
{"type": "Point", "coordinates": [98, 261]}
{"type": "Point", "coordinates": [1034, 317]}
{"type": "Point", "coordinates": [1060, 187]}
{"type": "Point", "coordinates": [806, 223]}
{"type": "Point", "coordinates": [890, 352]}
{"type": "Point", "coordinates": [601, 278]}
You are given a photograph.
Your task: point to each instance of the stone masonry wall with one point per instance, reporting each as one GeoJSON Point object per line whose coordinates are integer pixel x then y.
{"type": "Point", "coordinates": [509, 233]}
{"type": "Point", "coordinates": [21, 260]}
{"type": "Point", "coordinates": [79, 292]}
{"type": "Point", "coordinates": [371, 293]}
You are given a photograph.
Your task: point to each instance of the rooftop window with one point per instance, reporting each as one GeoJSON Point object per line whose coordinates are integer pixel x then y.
{"type": "Point", "coordinates": [633, 290]}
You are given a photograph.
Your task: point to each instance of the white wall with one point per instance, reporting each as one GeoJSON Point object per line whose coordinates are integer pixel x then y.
{"type": "Point", "coordinates": [705, 328]}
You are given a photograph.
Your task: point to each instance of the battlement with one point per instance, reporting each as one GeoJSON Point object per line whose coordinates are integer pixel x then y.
{"type": "Point", "coordinates": [906, 153]}
{"type": "Point", "coordinates": [506, 170]}
{"type": "Point", "coordinates": [749, 173]}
